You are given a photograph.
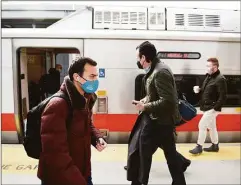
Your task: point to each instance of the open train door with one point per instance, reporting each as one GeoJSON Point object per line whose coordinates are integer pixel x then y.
{"type": "Point", "coordinates": [31, 58]}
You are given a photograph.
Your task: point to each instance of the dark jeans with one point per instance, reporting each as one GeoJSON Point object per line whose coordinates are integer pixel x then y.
{"type": "Point", "coordinates": [89, 182]}
{"type": "Point", "coordinates": [160, 136]}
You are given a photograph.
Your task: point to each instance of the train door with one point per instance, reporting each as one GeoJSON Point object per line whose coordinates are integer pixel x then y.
{"type": "Point", "coordinates": [33, 60]}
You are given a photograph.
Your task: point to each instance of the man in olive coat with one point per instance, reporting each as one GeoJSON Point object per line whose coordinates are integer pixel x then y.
{"type": "Point", "coordinates": [156, 123]}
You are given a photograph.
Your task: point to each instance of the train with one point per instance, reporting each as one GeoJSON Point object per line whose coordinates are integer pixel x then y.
{"type": "Point", "coordinates": [184, 38]}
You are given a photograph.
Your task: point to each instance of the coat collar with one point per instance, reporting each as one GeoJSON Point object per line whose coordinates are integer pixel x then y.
{"type": "Point", "coordinates": [154, 63]}
{"type": "Point", "coordinates": [214, 74]}
{"type": "Point", "coordinates": [77, 100]}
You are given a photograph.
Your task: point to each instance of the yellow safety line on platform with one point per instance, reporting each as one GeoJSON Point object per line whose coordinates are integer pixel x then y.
{"type": "Point", "coordinates": [15, 160]}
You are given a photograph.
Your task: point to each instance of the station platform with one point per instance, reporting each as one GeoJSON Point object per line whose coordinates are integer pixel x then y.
{"type": "Point", "coordinates": [107, 166]}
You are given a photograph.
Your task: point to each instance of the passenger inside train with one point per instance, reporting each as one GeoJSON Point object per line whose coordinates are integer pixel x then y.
{"type": "Point", "coordinates": [50, 83]}
{"type": "Point", "coordinates": [44, 72]}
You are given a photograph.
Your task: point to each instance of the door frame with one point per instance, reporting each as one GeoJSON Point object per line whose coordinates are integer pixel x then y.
{"type": "Point", "coordinates": [35, 43]}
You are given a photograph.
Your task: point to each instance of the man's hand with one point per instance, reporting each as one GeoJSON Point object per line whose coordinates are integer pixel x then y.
{"type": "Point", "coordinates": [101, 144]}
{"type": "Point", "coordinates": [143, 100]}
{"type": "Point", "coordinates": [139, 105]}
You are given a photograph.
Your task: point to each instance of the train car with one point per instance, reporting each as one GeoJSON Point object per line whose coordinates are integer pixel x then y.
{"type": "Point", "coordinates": [27, 54]}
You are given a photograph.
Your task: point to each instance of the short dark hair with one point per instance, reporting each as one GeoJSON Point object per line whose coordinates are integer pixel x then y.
{"type": "Point", "coordinates": [214, 61]}
{"type": "Point", "coordinates": [52, 70]}
{"type": "Point", "coordinates": [78, 66]}
{"type": "Point", "coordinates": [148, 50]}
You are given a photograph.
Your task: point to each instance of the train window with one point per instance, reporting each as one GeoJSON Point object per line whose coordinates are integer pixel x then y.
{"type": "Point", "coordinates": [185, 85]}
{"type": "Point", "coordinates": [138, 86]}
{"type": "Point", "coordinates": [233, 90]}
{"type": "Point", "coordinates": [61, 59]}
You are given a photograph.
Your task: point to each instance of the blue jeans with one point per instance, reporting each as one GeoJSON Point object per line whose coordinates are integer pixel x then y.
{"type": "Point", "coordinates": [89, 181]}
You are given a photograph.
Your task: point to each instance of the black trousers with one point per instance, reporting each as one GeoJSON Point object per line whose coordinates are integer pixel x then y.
{"type": "Point", "coordinates": [154, 136]}
{"type": "Point", "coordinates": [180, 157]}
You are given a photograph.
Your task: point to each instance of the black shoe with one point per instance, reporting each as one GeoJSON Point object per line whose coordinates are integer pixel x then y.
{"type": "Point", "coordinates": [197, 150]}
{"type": "Point", "coordinates": [135, 183]}
{"type": "Point", "coordinates": [212, 148]}
{"type": "Point", "coordinates": [186, 164]}
{"type": "Point", "coordinates": [125, 167]}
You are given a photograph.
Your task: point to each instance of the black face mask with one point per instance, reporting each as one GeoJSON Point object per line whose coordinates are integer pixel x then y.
{"type": "Point", "coordinates": [139, 65]}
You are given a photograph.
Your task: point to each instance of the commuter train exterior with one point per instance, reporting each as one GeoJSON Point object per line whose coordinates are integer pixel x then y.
{"type": "Point", "coordinates": [186, 52]}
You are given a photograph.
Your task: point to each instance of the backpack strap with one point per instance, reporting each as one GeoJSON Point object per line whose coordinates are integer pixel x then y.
{"type": "Point", "coordinates": [62, 95]}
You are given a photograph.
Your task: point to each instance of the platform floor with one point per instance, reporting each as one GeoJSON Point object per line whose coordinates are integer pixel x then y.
{"type": "Point", "coordinates": [107, 166]}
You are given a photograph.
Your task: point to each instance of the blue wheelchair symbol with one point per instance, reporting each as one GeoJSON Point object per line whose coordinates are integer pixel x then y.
{"type": "Point", "coordinates": [102, 73]}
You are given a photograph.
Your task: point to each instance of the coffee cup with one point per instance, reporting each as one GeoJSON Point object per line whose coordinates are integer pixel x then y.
{"type": "Point", "coordinates": [196, 89]}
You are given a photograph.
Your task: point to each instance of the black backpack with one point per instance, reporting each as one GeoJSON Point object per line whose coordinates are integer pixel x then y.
{"type": "Point", "coordinates": [32, 139]}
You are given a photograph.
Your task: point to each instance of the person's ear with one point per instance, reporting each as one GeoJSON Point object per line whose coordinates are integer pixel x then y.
{"type": "Point", "coordinates": [76, 77]}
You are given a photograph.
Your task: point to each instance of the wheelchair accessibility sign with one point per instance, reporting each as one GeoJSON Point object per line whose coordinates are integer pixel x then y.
{"type": "Point", "coordinates": [101, 73]}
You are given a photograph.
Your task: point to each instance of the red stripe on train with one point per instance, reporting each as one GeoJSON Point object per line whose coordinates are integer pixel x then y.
{"type": "Point", "coordinates": [8, 122]}
{"type": "Point", "coordinates": [125, 122]}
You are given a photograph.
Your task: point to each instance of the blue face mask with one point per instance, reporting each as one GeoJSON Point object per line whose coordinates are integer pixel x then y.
{"type": "Point", "coordinates": [90, 86]}
{"type": "Point", "coordinates": [147, 69]}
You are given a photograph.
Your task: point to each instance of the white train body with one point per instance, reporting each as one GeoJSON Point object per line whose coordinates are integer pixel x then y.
{"type": "Point", "coordinates": [114, 51]}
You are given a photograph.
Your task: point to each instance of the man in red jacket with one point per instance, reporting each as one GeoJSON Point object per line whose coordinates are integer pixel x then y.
{"type": "Point", "coordinates": [66, 149]}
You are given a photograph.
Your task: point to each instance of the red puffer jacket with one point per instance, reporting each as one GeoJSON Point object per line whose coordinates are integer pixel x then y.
{"type": "Point", "coordinates": [65, 157]}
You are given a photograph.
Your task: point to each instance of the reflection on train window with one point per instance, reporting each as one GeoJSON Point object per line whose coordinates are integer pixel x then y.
{"type": "Point", "coordinates": [233, 90]}
{"type": "Point", "coordinates": [185, 85]}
